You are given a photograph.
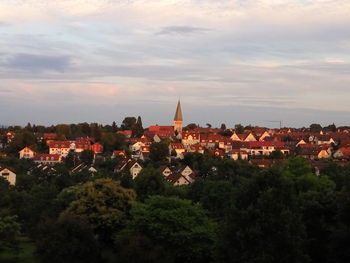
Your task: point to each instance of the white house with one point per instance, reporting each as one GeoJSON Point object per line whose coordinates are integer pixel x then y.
{"type": "Point", "coordinates": [26, 153]}
{"type": "Point", "coordinates": [9, 175]}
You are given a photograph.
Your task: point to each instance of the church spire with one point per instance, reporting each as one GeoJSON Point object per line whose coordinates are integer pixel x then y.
{"type": "Point", "coordinates": [178, 119]}
{"type": "Point", "coordinates": [178, 113]}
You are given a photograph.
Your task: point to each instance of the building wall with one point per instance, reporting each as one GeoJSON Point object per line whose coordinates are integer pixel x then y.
{"type": "Point", "coordinates": [8, 175]}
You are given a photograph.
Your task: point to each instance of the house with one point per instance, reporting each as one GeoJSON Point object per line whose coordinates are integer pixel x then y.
{"type": "Point", "coordinates": [83, 167]}
{"type": "Point", "coordinates": [48, 137]}
{"type": "Point", "coordinates": [129, 165]}
{"type": "Point", "coordinates": [10, 136]}
{"type": "Point", "coordinates": [212, 141]}
{"type": "Point", "coordinates": [177, 179]}
{"type": "Point", "coordinates": [165, 170]}
{"type": "Point", "coordinates": [264, 135]}
{"type": "Point", "coordinates": [97, 148]}
{"type": "Point", "coordinates": [26, 153]}
{"type": "Point", "coordinates": [190, 137]}
{"type": "Point", "coordinates": [238, 154]}
{"type": "Point", "coordinates": [183, 176]}
{"type": "Point", "coordinates": [342, 153]}
{"type": "Point", "coordinates": [243, 137]}
{"type": "Point", "coordinates": [60, 147]}
{"type": "Point", "coordinates": [117, 153]}
{"type": "Point", "coordinates": [48, 159]}
{"type": "Point", "coordinates": [81, 144]}
{"type": "Point", "coordinates": [196, 148]}
{"type": "Point", "coordinates": [178, 148]}
{"type": "Point", "coordinates": [314, 151]}
{"type": "Point", "coordinates": [8, 174]}
{"type": "Point", "coordinates": [266, 147]}
{"type": "Point", "coordinates": [188, 173]}
{"type": "Point", "coordinates": [161, 131]}
{"type": "Point", "coordinates": [300, 142]}
{"type": "Point", "coordinates": [324, 139]}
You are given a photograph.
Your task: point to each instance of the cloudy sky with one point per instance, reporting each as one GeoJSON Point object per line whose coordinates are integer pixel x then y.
{"type": "Point", "coordinates": [231, 61]}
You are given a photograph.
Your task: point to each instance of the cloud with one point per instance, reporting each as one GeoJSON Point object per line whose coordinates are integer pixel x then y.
{"type": "Point", "coordinates": [181, 30]}
{"type": "Point", "coordinates": [31, 62]}
{"type": "Point", "coordinates": [229, 53]}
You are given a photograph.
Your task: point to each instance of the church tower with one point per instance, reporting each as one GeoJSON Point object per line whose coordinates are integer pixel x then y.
{"type": "Point", "coordinates": [178, 119]}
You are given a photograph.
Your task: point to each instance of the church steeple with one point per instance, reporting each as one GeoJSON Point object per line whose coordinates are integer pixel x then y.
{"type": "Point", "coordinates": [178, 119]}
{"type": "Point", "coordinates": [178, 113]}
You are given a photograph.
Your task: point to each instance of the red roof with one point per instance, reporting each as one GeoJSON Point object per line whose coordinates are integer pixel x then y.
{"type": "Point", "coordinates": [176, 145]}
{"type": "Point", "coordinates": [49, 136]}
{"type": "Point", "coordinates": [156, 128]}
{"type": "Point", "coordinates": [47, 157]}
{"type": "Point", "coordinates": [59, 144]}
{"type": "Point", "coordinates": [345, 151]}
{"type": "Point", "coordinates": [266, 144]}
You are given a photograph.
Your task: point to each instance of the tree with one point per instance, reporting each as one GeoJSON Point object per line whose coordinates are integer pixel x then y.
{"type": "Point", "coordinates": [215, 196]}
{"type": "Point", "coordinates": [9, 232]}
{"type": "Point", "coordinates": [159, 151]}
{"type": "Point", "coordinates": [239, 128]}
{"type": "Point", "coordinates": [175, 230]}
{"type": "Point", "coordinates": [331, 127]}
{"type": "Point", "coordinates": [104, 204]}
{"type": "Point", "coordinates": [191, 126]}
{"type": "Point", "coordinates": [67, 240]}
{"type": "Point", "coordinates": [263, 223]}
{"type": "Point", "coordinates": [315, 127]}
{"type": "Point", "coordinates": [139, 122]}
{"type": "Point", "coordinates": [149, 182]}
{"type": "Point", "coordinates": [223, 126]}
{"type": "Point", "coordinates": [208, 125]}
{"type": "Point", "coordinates": [63, 131]}
{"type": "Point", "coordinates": [128, 123]}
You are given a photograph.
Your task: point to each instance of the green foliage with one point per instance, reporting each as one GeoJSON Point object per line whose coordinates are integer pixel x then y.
{"type": "Point", "coordinates": [174, 230]}
{"type": "Point", "coordinates": [239, 128]}
{"type": "Point", "coordinates": [67, 240]}
{"type": "Point", "coordinates": [263, 224]}
{"type": "Point", "coordinates": [104, 204]}
{"type": "Point", "coordinates": [297, 166]}
{"type": "Point", "coordinates": [21, 140]}
{"type": "Point", "coordinates": [149, 182]}
{"type": "Point", "coordinates": [130, 123]}
{"type": "Point", "coordinates": [9, 232]}
{"type": "Point", "coordinates": [190, 126]}
{"type": "Point", "coordinates": [215, 196]}
{"type": "Point", "coordinates": [315, 127]}
{"type": "Point", "coordinates": [159, 151]}
{"type": "Point", "coordinates": [112, 141]}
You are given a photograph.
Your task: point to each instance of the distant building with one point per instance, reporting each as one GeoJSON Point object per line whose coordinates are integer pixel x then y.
{"type": "Point", "coordinates": [9, 175]}
{"type": "Point", "coordinates": [97, 148]}
{"type": "Point", "coordinates": [178, 119]}
{"type": "Point", "coordinates": [26, 153]}
{"type": "Point", "coordinates": [129, 165]}
{"type": "Point", "coordinates": [48, 159]}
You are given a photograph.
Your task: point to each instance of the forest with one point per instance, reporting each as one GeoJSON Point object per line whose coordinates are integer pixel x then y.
{"type": "Point", "coordinates": [234, 212]}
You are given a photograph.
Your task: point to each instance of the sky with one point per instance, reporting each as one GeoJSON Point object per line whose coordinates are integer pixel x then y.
{"type": "Point", "coordinates": [229, 61]}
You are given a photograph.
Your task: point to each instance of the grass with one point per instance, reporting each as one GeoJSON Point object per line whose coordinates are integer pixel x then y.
{"type": "Point", "coordinates": [25, 255]}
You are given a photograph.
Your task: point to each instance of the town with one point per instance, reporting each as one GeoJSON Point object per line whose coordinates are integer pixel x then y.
{"type": "Point", "coordinates": [174, 193]}
{"type": "Point", "coordinates": [133, 146]}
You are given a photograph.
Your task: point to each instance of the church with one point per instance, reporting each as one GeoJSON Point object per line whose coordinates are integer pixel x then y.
{"type": "Point", "coordinates": [169, 131]}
